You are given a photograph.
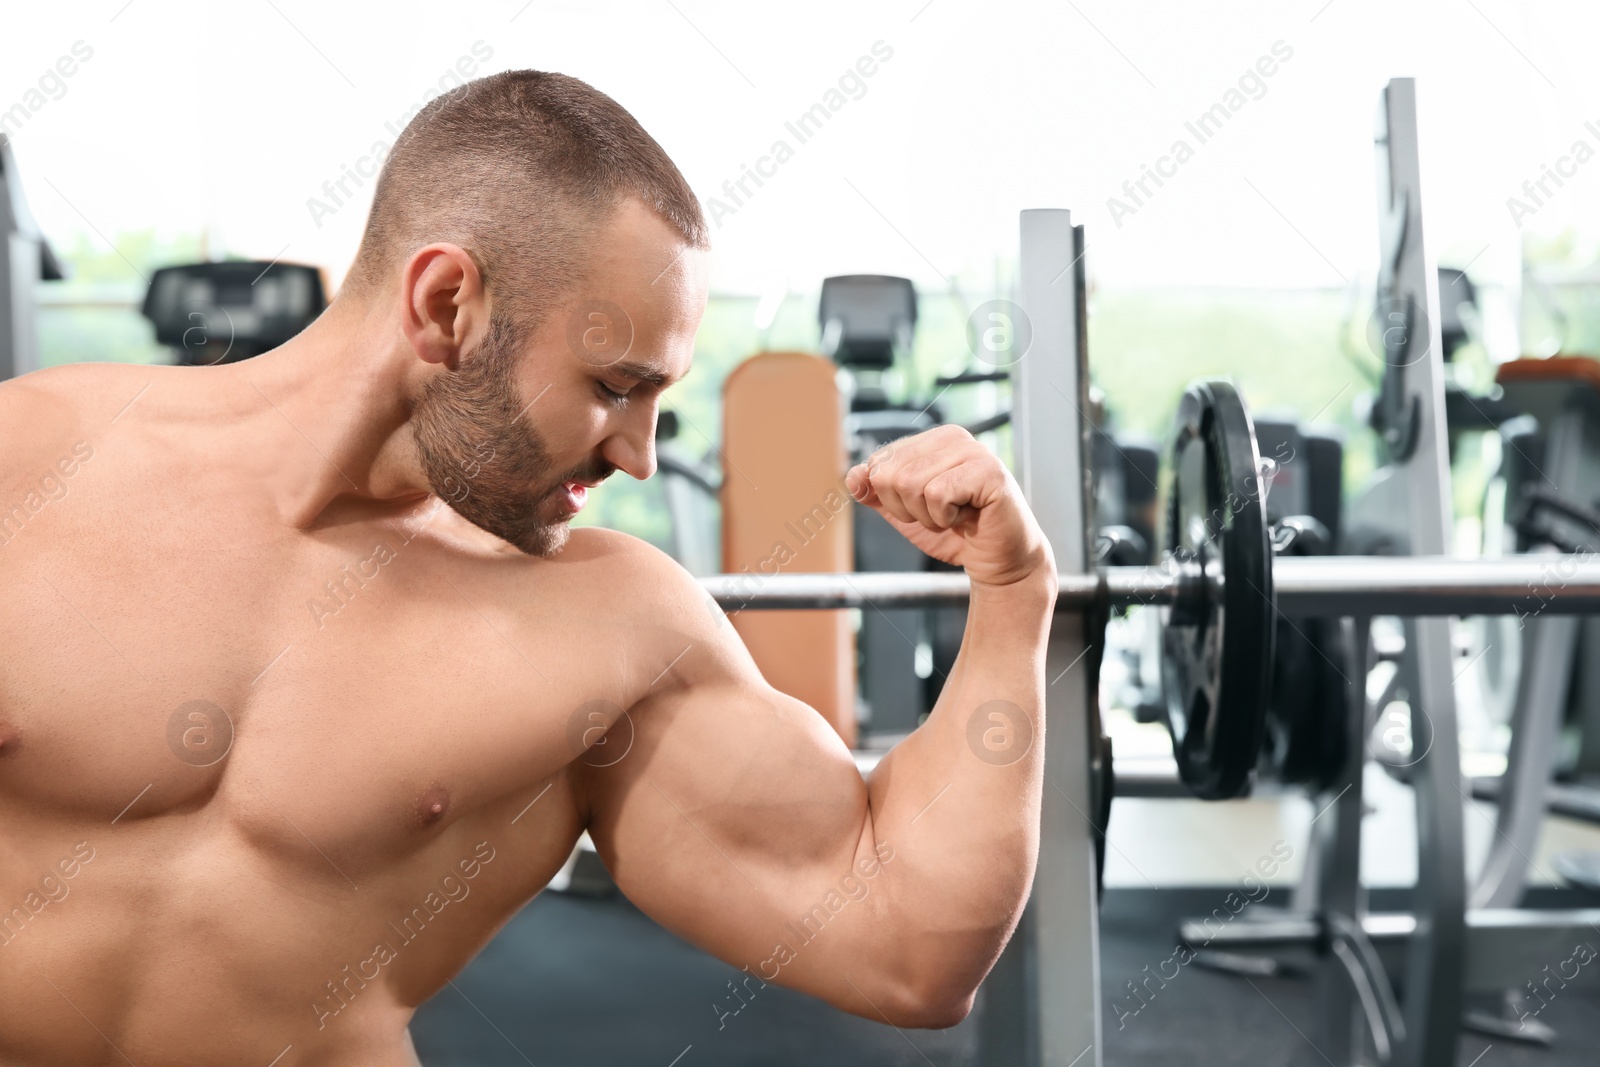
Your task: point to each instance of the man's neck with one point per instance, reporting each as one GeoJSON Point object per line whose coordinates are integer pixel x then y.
{"type": "Point", "coordinates": [331, 407]}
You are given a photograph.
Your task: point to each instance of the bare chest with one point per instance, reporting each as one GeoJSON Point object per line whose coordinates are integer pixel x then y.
{"type": "Point", "coordinates": [356, 693]}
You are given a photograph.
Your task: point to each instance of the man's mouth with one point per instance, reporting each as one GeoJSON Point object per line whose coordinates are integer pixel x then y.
{"type": "Point", "coordinates": [574, 494]}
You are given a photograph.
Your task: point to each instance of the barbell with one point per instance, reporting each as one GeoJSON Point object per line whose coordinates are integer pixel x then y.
{"type": "Point", "coordinates": [1305, 587]}
{"type": "Point", "coordinates": [1221, 588]}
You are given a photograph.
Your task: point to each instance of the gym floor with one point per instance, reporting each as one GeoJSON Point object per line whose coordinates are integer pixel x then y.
{"type": "Point", "coordinates": [575, 983]}
{"type": "Point", "coordinates": [557, 984]}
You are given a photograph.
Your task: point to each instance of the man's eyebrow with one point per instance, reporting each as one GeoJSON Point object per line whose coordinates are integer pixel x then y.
{"type": "Point", "coordinates": [644, 372]}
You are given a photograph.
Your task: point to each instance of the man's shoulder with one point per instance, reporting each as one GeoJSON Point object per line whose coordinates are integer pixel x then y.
{"type": "Point", "coordinates": [638, 574]}
{"type": "Point", "coordinates": [631, 559]}
{"type": "Point", "coordinates": [47, 410]}
{"type": "Point", "coordinates": [74, 394]}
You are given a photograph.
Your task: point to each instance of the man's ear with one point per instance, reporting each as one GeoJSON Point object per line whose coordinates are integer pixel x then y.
{"type": "Point", "coordinates": [444, 308]}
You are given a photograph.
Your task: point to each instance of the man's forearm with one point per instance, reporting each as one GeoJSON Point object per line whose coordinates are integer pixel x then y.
{"type": "Point", "coordinates": [958, 800]}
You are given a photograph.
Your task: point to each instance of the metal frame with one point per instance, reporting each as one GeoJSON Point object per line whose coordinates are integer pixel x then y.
{"type": "Point", "coordinates": [1496, 938]}
{"type": "Point", "coordinates": [25, 260]}
{"type": "Point", "coordinates": [1410, 500]}
{"type": "Point", "coordinates": [1448, 951]}
{"type": "Point", "coordinates": [1042, 1001]}
{"type": "Point", "coordinates": [1548, 648]}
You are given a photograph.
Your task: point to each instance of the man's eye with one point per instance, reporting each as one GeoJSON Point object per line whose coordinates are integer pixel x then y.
{"type": "Point", "coordinates": [611, 394]}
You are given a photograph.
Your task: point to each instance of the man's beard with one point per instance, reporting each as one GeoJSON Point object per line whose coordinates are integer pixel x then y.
{"type": "Point", "coordinates": [480, 456]}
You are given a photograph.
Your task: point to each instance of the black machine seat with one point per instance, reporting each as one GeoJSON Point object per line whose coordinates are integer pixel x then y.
{"type": "Point", "coordinates": [866, 319]}
{"type": "Point", "coordinates": [223, 312]}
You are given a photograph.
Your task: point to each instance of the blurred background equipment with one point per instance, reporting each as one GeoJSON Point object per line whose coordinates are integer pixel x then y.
{"type": "Point", "coordinates": [785, 510]}
{"type": "Point", "coordinates": [25, 261]}
{"type": "Point", "coordinates": [868, 325]}
{"type": "Point", "coordinates": [209, 313]}
{"type": "Point", "coordinates": [1270, 283]}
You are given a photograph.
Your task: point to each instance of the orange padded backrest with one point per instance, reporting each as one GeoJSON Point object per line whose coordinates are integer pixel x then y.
{"type": "Point", "coordinates": [1543, 387]}
{"type": "Point", "coordinates": [1576, 370]}
{"type": "Point", "coordinates": [785, 510]}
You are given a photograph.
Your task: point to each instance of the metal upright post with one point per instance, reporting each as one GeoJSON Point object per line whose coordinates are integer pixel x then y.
{"type": "Point", "coordinates": [1549, 645]}
{"type": "Point", "coordinates": [1420, 505]}
{"type": "Point", "coordinates": [1042, 1003]}
{"type": "Point", "coordinates": [25, 260]}
{"type": "Point", "coordinates": [1336, 846]}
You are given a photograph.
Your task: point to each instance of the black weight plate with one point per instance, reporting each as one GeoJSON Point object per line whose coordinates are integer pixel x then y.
{"type": "Point", "coordinates": [1307, 709]}
{"type": "Point", "coordinates": [1216, 650]}
{"type": "Point", "coordinates": [1307, 713]}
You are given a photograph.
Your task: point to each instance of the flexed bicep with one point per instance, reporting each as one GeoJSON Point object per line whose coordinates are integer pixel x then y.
{"type": "Point", "coordinates": [726, 793]}
{"type": "Point", "coordinates": [738, 820]}
{"type": "Point", "coordinates": [734, 815]}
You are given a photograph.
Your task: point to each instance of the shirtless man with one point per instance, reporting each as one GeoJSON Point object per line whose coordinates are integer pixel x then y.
{"type": "Point", "coordinates": [284, 740]}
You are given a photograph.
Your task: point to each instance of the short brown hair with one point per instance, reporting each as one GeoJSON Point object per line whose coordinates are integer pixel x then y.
{"type": "Point", "coordinates": [520, 169]}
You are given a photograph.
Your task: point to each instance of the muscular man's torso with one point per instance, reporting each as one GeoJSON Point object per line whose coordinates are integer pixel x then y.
{"type": "Point", "coordinates": [399, 689]}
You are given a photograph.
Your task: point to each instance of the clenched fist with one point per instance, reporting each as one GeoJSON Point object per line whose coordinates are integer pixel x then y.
{"type": "Point", "coordinates": [953, 498]}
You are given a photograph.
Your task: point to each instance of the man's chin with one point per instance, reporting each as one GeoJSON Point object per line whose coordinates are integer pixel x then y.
{"type": "Point", "coordinates": [544, 540]}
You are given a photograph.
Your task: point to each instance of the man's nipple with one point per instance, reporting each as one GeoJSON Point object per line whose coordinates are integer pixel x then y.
{"type": "Point", "coordinates": [433, 805]}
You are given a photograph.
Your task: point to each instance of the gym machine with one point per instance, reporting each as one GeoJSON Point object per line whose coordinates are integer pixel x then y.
{"type": "Point", "coordinates": [205, 312]}
{"type": "Point", "coordinates": [868, 323]}
{"type": "Point", "coordinates": [1546, 490]}
{"type": "Point", "coordinates": [1404, 511]}
{"type": "Point", "coordinates": [1547, 485]}
{"type": "Point", "coordinates": [25, 261]}
{"type": "Point", "coordinates": [1221, 588]}
{"type": "Point", "coordinates": [225, 311]}
{"type": "Point", "coordinates": [690, 487]}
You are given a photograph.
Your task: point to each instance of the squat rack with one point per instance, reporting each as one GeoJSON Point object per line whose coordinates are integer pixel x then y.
{"type": "Point", "coordinates": [1042, 1003]}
